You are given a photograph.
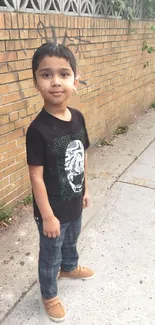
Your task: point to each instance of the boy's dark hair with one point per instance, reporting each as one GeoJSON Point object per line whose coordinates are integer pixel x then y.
{"type": "Point", "coordinates": [52, 49]}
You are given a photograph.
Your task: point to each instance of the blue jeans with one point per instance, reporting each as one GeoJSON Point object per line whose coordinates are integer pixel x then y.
{"type": "Point", "coordinates": [55, 253]}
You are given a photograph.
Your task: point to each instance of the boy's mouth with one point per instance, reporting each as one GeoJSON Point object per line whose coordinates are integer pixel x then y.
{"type": "Point", "coordinates": [56, 92]}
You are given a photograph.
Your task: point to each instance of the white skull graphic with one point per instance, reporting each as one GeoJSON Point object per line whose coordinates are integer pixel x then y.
{"type": "Point", "coordinates": [74, 165]}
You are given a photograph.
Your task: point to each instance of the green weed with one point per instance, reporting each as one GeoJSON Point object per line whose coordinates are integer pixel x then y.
{"type": "Point", "coordinates": [26, 201]}
{"type": "Point", "coordinates": [153, 105]}
{"type": "Point", "coordinates": [121, 130]}
{"type": "Point", "coordinates": [104, 142]}
{"type": "Point", "coordinates": [6, 213]}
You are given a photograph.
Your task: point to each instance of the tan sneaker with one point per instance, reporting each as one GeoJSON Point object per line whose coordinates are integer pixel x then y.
{"type": "Point", "coordinates": [54, 309]}
{"type": "Point", "coordinates": [80, 272]}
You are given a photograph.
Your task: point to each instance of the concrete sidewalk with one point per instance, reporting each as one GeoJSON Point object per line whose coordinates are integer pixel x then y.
{"type": "Point", "coordinates": [117, 241]}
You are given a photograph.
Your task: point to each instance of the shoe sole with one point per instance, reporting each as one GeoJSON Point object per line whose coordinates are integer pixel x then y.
{"type": "Point", "coordinates": [84, 278]}
{"type": "Point", "coordinates": [57, 320]}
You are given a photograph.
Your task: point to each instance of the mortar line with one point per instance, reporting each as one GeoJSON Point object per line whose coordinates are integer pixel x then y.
{"type": "Point", "coordinates": [17, 302]}
{"type": "Point", "coordinates": [117, 178]}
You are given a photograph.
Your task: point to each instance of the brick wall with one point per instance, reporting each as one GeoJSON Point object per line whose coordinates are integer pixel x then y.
{"type": "Point", "coordinates": [111, 63]}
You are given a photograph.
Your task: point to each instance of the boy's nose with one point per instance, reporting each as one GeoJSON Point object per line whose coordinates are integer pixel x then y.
{"type": "Point", "coordinates": [56, 81]}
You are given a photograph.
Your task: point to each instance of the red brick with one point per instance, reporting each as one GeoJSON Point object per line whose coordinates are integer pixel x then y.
{"type": "Point", "coordinates": [4, 119]}
{"type": "Point", "coordinates": [31, 20]}
{"type": "Point", "coordinates": [18, 174]}
{"type": "Point", "coordinates": [21, 140]}
{"type": "Point", "coordinates": [13, 116]}
{"type": "Point", "coordinates": [14, 86]}
{"type": "Point", "coordinates": [25, 74]}
{"type": "Point", "coordinates": [17, 106]}
{"type": "Point", "coordinates": [4, 34]}
{"type": "Point", "coordinates": [5, 109]}
{"type": "Point", "coordinates": [31, 110]}
{"type": "Point", "coordinates": [14, 152]}
{"type": "Point", "coordinates": [22, 55]}
{"type": "Point", "coordinates": [15, 196]}
{"type": "Point", "coordinates": [19, 65]}
{"type": "Point", "coordinates": [24, 34]}
{"type": "Point", "coordinates": [8, 77]}
{"type": "Point", "coordinates": [33, 33]}
{"type": "Point", "coordinates": [10, 189]}
{"type": "Point", "coordinates": [11, 169]}
{"type": "Point", "coordinates": [13, 135]}
{"type": "Point", "coordinates": [14, 20]}
{"type": "Point", "coordinates": [2, 23]}
{"type": "Point", "coordinates": [14, 45]}
{"type": "Point", "coordinates": [4, 89]}
{"type": "Point", "coordinates": [21, 157]}
{"type": "Point", "coordinates": [8, 56]}
{"type": "Point", "coordinates": [26, 20]}
{"type": "Point", "coordinates": [7, 20]}
{"type": "Point", "coordinates": [8, 146]}
{"type": "Point", "coordinates": [7, 163]}
{"type": "Point", "coordinates": [13, 97]}
{"type": "Point", "coordinates": [4, 182]}
{"type": "Point", "coordinates": [2, 45]}
{"type": "Point", "coordinates": [22, 113]}
{"type": "Point", "coordinates": [20, 20]}
{"type": "Point", "coordinates": [3, 67]}
{"type": "Point", "coordinates": [30, 92]}
{"type": "Point", "coordinates": [32, 44]}
{"type": "Point", "coordinates": [22, 122]}
{"type": "Point", "coordinates": [14, 34]}
{"type": "Point", "coordinates": [6, 128]}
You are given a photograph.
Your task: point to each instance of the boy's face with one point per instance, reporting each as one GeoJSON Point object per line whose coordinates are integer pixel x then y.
{"type": "Point", "coordinates": [55, 80]}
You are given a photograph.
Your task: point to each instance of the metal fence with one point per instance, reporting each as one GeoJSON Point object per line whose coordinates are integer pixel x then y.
{"type": "Point", "coordinates": [95, 8]}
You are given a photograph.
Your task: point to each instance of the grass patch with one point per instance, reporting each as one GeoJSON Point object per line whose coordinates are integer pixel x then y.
{"type": "Point", "coordinates": [27, 200]}
{"type": "Point", "coordinates": [121, 130]}
{"type": "Point", "coordinates": [153, 105]}
{"type": "Point", "coordinates": [104, 142]}
{"type": "Point", "coordinates": [6, 213]}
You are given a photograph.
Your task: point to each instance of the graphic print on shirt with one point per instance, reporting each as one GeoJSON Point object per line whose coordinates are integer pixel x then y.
{"type": "Point", "coordinates": [74, 165]}
{"type": "Point", "coordinates": [69, 153]}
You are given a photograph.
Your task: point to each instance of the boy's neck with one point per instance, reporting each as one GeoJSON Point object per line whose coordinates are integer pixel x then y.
{"type": "Point", "coordinates": [55, 108]}
{"type": "Point", "coordinates": [60, 111]}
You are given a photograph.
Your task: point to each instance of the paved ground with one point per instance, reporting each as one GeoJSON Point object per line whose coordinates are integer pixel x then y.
{"type": "Point", "coordinates": [118, 241]}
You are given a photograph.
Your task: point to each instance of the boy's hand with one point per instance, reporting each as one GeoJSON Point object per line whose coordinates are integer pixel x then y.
{"type": "Point", "coordinates": [86, 200]}
{"type": "Point", "coordinates": [51, 227]}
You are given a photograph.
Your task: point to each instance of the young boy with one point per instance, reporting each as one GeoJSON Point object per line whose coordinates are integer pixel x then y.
{"type": "Point", "coordinates": [56, 154]}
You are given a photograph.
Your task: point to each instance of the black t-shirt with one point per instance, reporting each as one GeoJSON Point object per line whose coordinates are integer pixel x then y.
{"type": "Point", "coordinates": [59, 147]}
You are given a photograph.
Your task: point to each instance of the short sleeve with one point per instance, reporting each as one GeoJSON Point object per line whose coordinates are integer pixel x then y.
{"type": "Point", "coordinates": [34, 147]}
{"type": "Point", "coordinates": [87, 142]}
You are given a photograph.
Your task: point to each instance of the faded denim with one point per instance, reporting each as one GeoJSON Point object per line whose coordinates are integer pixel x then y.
{"type": "Point", "coordinates": [57, 253]}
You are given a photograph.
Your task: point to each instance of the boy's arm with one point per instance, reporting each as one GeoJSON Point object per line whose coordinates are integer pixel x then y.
{"type": "Point", "coordinates": [86, 194]}
{"type": "Point", "coordinates": [51, 225]}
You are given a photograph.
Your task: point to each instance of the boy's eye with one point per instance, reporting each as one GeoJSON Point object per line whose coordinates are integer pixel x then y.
{"type": "Point", "coordinates": [64, 74]}
{"type": "Point", "coordinates": [46, 75]}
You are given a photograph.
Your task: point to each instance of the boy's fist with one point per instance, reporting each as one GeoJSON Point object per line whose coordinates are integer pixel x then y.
{"type": "Point", "coordinates": [86, 200]}
{"type": "Point", "coordinates": [51, 227]}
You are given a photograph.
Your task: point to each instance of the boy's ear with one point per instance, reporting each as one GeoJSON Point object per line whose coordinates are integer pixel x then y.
{"type": "Point", "coordinates": [76, 83]}
{"type": "Point", "coordinates": [35, 84]}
